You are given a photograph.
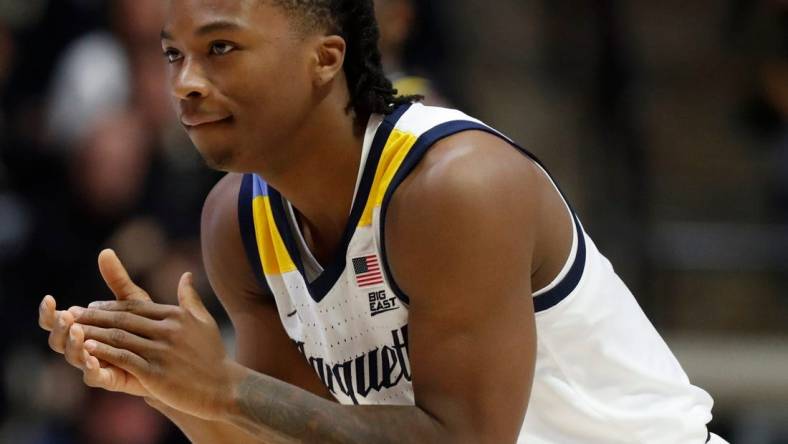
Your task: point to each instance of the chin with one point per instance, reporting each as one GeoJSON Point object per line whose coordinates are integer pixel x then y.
{"type": "Point", "coordinates": [221, 159]}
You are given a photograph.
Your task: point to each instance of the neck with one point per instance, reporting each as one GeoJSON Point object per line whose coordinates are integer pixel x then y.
{"type": "Point", "coordinates": [322, 172]}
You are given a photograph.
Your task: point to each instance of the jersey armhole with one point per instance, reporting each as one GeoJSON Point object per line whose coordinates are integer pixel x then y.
{"type": "Point", "coordinates": [246, 226]}
{"type": "Point", "coordinates": [542, 302]}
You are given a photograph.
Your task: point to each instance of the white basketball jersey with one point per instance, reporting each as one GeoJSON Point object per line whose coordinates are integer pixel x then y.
{"type": "Point", "coordinates": [603, 373]}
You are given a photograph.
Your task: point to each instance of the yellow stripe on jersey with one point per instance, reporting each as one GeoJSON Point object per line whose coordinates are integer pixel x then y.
{"type": "Point", "coordinates": [273, 253]}
{"type": "Point", "coordinates": [397, 147]}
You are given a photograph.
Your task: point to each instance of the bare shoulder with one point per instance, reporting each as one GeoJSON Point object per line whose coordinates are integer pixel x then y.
{"type": "Point", "coordinates": [222, 204]}
{"type": "Point", "coordinates": [219, 222]}
{"type": "Point", "coordinates": [463, 201]}
{"type": "Point", "coordinates": [475, 192]}
{"type": "Point", "coordinates": [223, 251]}
{"type": "Point", "coordinates": [472, 172]}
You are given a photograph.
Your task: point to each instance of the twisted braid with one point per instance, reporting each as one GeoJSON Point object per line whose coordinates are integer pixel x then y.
{"type": "Point", "coordinates": [354, 20]}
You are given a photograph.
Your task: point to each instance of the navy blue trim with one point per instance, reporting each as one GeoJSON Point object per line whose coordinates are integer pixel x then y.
{"type": "Point", "coordinates": [424, 143]}
{"type": "Point", "coordinates": [557, 294]}
{"type": "Point", "coordinates": [320, 287]}
{"type": "Point", "coordinates": [246, 225]}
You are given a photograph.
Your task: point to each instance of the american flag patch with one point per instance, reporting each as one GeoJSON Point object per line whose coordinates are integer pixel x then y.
{"type": "Point", "coordinates": [367, 270]}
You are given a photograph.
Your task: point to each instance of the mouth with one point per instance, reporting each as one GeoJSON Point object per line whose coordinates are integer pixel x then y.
{"type": "Point", "coordinates": [198, 121]}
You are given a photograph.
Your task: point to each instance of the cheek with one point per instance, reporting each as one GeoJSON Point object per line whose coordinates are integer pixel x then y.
{"type": "Point", "coordinates": [276, 91]}
{"type": "Point", "coordinates": [285, 79]}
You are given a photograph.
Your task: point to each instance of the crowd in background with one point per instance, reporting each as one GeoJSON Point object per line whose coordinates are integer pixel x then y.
{"type": "Point", "coordinates": [92, 156]}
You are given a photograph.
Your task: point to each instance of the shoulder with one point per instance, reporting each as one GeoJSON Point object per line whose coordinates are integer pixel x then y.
{"type": "Point", "coordinates": [220, 211]}
{"type": "Point", "coordinates": [471, 171]}
{"type": "Point", "coordinates": [459, 208]}
{"type": "Point", "coordinates": [223, 196]}
{"type": "Point", "coordinates": [223, 251]}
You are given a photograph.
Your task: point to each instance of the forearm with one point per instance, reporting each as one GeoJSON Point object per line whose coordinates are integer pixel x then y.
{"type": "Point", "coordinates": [265, 406]}
{"type": "Point", "coordinates": [201, 431]}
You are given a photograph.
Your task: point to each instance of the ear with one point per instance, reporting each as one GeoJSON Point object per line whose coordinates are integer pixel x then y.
{"type": "Point", "coordinates": [330, 58]}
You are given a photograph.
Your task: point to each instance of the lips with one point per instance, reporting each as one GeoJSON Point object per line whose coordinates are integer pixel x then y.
{"type": "Point", "coordinates": [194, 120]}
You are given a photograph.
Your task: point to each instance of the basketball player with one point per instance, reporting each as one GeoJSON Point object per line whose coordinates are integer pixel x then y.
{"type": "Point", "coordinates": [409, 262]}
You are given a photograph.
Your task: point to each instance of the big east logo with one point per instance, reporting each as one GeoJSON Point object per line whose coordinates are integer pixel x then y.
{"type": "Point", "coordinates": [380, 303]}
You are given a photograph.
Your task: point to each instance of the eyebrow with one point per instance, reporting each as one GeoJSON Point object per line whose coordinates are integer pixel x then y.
{"type": "Point", "coordinates": [208, 28]}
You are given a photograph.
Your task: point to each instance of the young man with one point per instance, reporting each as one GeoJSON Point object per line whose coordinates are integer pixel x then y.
{"type": "Point", "coordinates": [409, 262]}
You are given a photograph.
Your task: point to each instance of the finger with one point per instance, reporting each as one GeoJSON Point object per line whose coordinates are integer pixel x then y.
{"type": "Point", "coordinates": [122, 320]}
{"type": "Point", "coordinates": [123, 359]}
{"type": "Point", "coordinates": [189, 299]}
{"type": "Point", "coordinates": [93, 376]}
{"type": "Point", "coordinates": [75, 352]}
{"type": "Point", "coordinates": [109, 377]}
{"type": "Point", "coordinates": [117, 278]}
{"type": "Point", "coordinates": [46, 313]}
{"type": "Point", "coordinates": [58, 335]}
{"type": "Point", "coordinates": [119, 339]}
{"type": "Point", "coordinates": [146, 309]}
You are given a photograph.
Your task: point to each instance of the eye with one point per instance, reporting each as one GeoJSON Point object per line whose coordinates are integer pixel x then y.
{"type": "Point", "coordinates": [221, 48]}
{"type": "Point", "coordinates": [172, 55]}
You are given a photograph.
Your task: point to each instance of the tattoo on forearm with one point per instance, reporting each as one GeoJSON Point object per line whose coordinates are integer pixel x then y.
{"type": "Point", "coordinates": [289, 414]}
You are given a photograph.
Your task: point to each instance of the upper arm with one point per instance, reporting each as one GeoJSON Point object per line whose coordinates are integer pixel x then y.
{"type": "Point", "coordinates": [261, 341]}
{"type": "Point", "coordinates": [460, 244]}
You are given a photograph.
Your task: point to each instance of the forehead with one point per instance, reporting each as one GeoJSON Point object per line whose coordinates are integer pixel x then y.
{"type": "Point", "coordinates": [238, 8]}
{"type": "Point", "coordinates": [186, 15]}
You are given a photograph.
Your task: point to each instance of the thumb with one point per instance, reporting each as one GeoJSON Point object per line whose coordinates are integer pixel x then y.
{"type": "Point", "coordinates": [189, 299]}
{"type": "Point", "coordinates": [117, 278]}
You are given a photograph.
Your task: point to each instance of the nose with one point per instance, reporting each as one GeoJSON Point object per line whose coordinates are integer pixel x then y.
{"type": "Point", "coordinates": [190, 82]}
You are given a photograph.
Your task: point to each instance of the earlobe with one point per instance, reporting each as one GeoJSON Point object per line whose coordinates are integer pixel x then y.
{"type": "Point", "coordinates": [330, 58]}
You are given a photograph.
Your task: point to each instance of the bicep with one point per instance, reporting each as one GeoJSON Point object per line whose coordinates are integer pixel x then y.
{"type": "Point", "coordinates": [471, 323]}
{"type": "Point", "coordinates": [261, 341]}
{"type": "Point", "coordinates": [474, 373]}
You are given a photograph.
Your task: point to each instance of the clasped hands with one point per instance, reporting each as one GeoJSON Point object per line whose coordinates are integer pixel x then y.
{"type": "Point", "coordinates": [172, 355]}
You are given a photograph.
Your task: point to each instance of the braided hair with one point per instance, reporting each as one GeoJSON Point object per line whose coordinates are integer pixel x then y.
{"type": "Point", "coordinates": [371, 92]}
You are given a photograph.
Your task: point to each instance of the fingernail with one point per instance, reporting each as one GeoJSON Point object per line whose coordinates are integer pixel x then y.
{"type": "Point", "coordinates": [61, 322]}
{"type": "Point", "coordinates": [72, 334]}
{"type": "Point", "coordinates": [90, 346]}
{"type": "Point", "coordinates": [89, 363]}
{"type": "Point", "coordinates": [96, 304]}
{"type": "Point", "coordinates": [76, 311]}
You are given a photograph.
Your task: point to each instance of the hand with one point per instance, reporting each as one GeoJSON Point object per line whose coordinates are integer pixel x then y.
{"type": "Point", "coordinates": [67, 338]}
{"type": "Point", "coordinates": [175, 352]}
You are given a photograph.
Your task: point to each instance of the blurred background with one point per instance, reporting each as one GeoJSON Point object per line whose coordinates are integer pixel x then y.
{"type": "Point", "coordinates": [665, 122]}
